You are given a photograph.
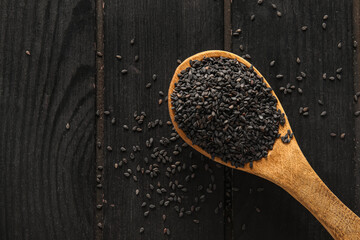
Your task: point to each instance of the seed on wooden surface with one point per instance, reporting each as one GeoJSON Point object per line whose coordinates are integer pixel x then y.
{"type": "Point", "coordinates": [126, 174]}
{"type": "Point", "coordinates": [324, 76]}
{"type": "Point", "coordinates": [152, 206]}
{"type": "Point", "coordinates": [243, 227]}
{"type": "Point", "coordinates": [331, 78]}
{"type": "Point", "coordinates": [299, 78]}
{"type": "Point", "coordinates": [160, 101]}
{"type": "Point", "coordinates": [100, 225]}
{"type": "Point", "coordinates": [167, 231]}
{"type": "Point", "coordinates": [323, 113]}
{"type": "Point", "coordinates": [146, 213]}
{"type": "Point", "coordinates": [143, 204]}
{"type": "Point", "coordinates": [107, 113]}
{"type": "Point", "coordinates": [304, 28]}
{"type": "Point", "coordinates": [135, 178]}
{"type": "Point", "coordinates": [300, 90]}
{"type": "Point", "coordinates": [252, 17]}
{"type": "Point", "coordinates": [27, 52]}
{"type": "Point", "coordinates": [273, 6]}
{"type": "Point", "coordinates": [109, 148]}
{"type": "Point", "coordinates": [278, 13]}
{"type": "Point", "coordinates": [154, 77]}
{"type": "Point", "coordinates": [333, 134]}
{"type": "Point", "coordinates": [179, 61]}
{"type": "Point", "coordinates": [320, 102]}
{"type": "Point", "coordinates": [305, 114]}
{"type": "Point", "coordinates": [136, 58]}
{"type": "Point", "coordinates": [339, 70]}
{"type": "Point", "coordinates": [355, 43]}
{"type": "Point", "coordinates": [99, 206]}
{"type": "Point", "coordinates": [124, 71]}
{"type": "Point", "coordinates": [338, 76]}
{"type": "Point", "coordinates": [355, 98]}
{"type": "Point", "coordinates": [357, 113]}
{"type": "Point", "coordinates": [137, 192]}
{"type": "Point", "coordinates": [342, 136]}
{"type": "Point", "coordinates": [303, 74]}
{"type": "Point", "coordinates": [272, 63]}
{"type": "Point", "coordinates": [118, 57]}
{"type": "Point", "coordinates": [142, 229]}
{"type": "Point", "coordinates": [99, 54]}
{"type": "Point", "coordinates": [116, 165]}
{"type": "Point", "coordinates": [132, 41]}
{"type": "Point", "coordinates": [325, 17]}
{"type": "Point", "coordinates": [148, 196]}
{"type": "Point", "coordinates": [197, 221]}
{"type": "Point", "coordinates": [113, 121]}
{"type": "Point", "coordinates": [148, 85]}
{"type": "Point", "coordinates": [126, 127]}
{"type": "Point", "coordinates": [279, 76]}
{"type": "Point", "coordinates": [100, 168]}
{"type": "Point", "coordinates": [339, 45]}
{"type": "Point", "coordinates": [99, 186]}
{"type": "Point", "coordinates": [323, 25]}
{"type": "Point", "coordinates": [241, 47]}
{"type": "Point", "coordinates": [164, 217]}
{"type": "Point", "coordinates": [67, 126]}
{"type": "Point", "coordinates": [259, 2]}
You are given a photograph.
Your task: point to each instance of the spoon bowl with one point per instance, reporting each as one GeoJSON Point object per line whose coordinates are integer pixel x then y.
{"type": "Point", "coordinates": [286, 166]}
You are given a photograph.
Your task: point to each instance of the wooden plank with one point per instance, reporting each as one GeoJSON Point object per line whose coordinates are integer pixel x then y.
{"type": "Point", "coordinates": [47, 180]}
{"type": "Point", "coordinates": [164, 32]}
{"type": "Point", "coordinates": [356, 23]}
{"type": "Point", "coordinates": [100, 121]}
{"type": "Point", "coordinates": [270, 37]}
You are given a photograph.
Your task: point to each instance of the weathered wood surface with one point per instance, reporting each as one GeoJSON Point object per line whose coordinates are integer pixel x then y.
{"type": "Point", "coordinates": [162, 35]}
{"type": "Point", "coordinates": [47, 172]}
{"type": "Point", "coordinates": [268, 38]}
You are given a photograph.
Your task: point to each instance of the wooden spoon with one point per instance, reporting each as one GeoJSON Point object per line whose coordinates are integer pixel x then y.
{"type": "Point", "coordinates": [287, 167]}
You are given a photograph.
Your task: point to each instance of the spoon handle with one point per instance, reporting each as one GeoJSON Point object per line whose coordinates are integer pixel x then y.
{"type": "Point", "coordinates": [306, 186]}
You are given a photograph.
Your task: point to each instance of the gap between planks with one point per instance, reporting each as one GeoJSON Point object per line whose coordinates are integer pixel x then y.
{"type": "Point", "coordinates": [356, 29]}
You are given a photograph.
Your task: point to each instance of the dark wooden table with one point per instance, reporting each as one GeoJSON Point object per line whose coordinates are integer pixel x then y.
{"type": "Point", "coordinates": [58, 65]}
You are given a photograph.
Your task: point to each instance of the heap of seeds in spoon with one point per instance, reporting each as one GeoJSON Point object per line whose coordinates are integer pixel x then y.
{"type": "Point", "coordinates": [226, 108]}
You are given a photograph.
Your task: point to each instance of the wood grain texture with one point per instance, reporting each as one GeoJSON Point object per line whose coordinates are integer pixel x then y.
{"type": "Point", "coordinates": [270, 37]}
{"type": "Point", "coordinates": [47, 172]}
{"type": "Point", "coordinates": [356, 37]}
{"type": "Point", "coordinates": [164, 32]}
{"type": "Point", "coordinates": [99, 215]}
